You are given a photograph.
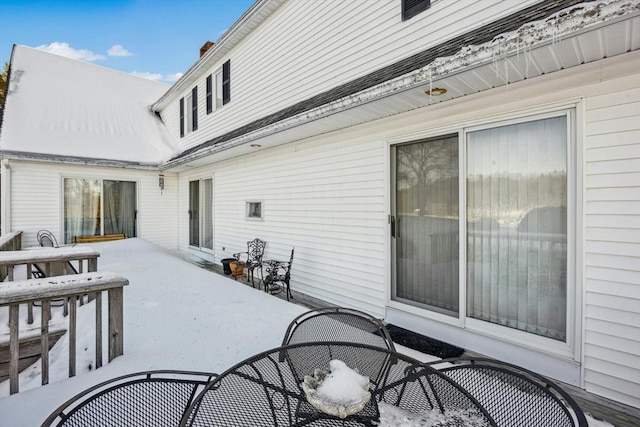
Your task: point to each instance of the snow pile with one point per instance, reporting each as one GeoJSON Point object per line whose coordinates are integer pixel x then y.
{"type": "Point", "coordinates": [341, 392]}
{"type": "Point", "coordinates": [392, 416]}
{"type": "Point", "coordinates": [550, 29]}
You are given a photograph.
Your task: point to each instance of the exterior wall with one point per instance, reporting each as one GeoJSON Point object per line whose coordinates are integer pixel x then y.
{"type": "Point", "coordinates": [37, 198]}
{"type": "Point", "coordinates": [283, 61]}
{"type": "Point", "coordinates": [612, 246]}
{"type": "Point", "coordinates": [326, 200]}
{"type": "Point", "coordinates": [328, 196]}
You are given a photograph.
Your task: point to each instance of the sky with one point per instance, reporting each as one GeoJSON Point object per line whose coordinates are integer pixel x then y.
{"type": "Point", "coordinates": [157, 39]}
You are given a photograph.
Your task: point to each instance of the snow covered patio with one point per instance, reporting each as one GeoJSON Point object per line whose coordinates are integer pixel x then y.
{"type": "Point", "coordinates": [177, 316]}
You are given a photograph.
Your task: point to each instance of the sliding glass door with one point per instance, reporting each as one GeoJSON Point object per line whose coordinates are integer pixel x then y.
{"type": "Point", "coordinates": [94, 207]}
{"type": "Point", "coordinates": [514, 193]}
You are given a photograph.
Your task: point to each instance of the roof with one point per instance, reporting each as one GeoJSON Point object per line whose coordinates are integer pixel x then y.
{"type": "Point", "coordinates": [62, 108]}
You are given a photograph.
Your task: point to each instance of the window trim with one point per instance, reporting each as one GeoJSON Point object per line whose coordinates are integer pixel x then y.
{"type": "Point", "coordinates": [248, 209]}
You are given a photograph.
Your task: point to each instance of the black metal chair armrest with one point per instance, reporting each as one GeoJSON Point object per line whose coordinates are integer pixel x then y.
{"type": "Point", "coordinates": [237, 255]}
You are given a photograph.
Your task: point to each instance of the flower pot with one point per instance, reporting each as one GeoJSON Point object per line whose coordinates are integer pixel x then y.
{"type": "Point", "coordinates": [225, 265]}
{"type": "Point", "coordinates": [237, 268]}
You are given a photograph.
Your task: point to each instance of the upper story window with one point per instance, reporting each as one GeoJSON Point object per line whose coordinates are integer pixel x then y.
{"type": "Point", "coordinates": [189, 112]}
{"type": "Point", "coordinates": [411, 8]}
{"type": "Point", "coordinates": [223, 84]}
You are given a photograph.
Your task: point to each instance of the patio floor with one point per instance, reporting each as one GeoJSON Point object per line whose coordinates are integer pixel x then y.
{"type": "Point", "coordinates": [178, 315]}
{"type": "Point", "coordinates": [602, 409]}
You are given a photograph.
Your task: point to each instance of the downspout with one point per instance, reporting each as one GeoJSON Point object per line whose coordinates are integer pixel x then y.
{"type": "Point", "coordinates": [5, 202]}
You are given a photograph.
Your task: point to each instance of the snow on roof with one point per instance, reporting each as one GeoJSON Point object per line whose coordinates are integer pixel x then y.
{"type": "Point", "coordinates": [64, 107]}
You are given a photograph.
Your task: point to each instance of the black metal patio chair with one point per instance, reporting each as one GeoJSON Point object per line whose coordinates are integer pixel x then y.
{"type": "Point", "coordinates": [263, 391]}
{"type": "Point", "coordinates": [512, 395]}
{"type": "Point", "coordinates": [152, 398]}
{"type": "Point", "coordinates": [278, 276]}
{"type": "Point", "coordinates": [338, 324]}
{"type": "Point", "coordinates": [253, 261]}
{"type": "Point", "coordinates": [47, 239]}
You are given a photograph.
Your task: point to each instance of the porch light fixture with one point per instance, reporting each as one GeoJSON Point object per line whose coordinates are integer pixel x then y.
{"type": "Point", "coordinates": [161, 181]}
{"type": "Point", "coordinates": [436, 91]}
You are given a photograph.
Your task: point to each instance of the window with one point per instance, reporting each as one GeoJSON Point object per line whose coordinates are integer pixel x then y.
{"type": "Point", "coordinates": [223, 84]}
{"type": "Point", "coordinates": [189, 115]}
{"type": "Point", "coordinates": [219, 89]}
{"type": "Point", "coordinates": [514, 240]}
{"type": "Point", "coordinates": [411, 8]}
{"type": "Point", "coordinates": [254, 210]}
{"type": "Point", "coordinates": [189, 118]}
{"type": "Point", "coordinates": [93, 207]}
{"type": "Point", "coordinates": [209, 94]}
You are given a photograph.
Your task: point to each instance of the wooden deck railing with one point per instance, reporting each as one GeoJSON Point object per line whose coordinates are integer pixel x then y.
{"type": "Point", "coordinates": [9, 242]}
{"type": "Point", "coordinates": [52, 262]}
{"type": "Point", "coordinates": [13, 294]}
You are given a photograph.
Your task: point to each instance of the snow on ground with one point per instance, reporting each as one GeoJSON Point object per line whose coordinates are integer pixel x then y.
{"type": "Point", "coordinates": [176, 316]}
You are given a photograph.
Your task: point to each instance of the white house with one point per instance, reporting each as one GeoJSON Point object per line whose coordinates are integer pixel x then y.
{"type": "Point", "coordinates": [469, 170]}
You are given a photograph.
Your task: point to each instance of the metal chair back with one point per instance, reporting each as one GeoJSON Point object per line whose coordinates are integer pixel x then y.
{"type": "Point", "coordinates": [279, 274]}
{"type": "Point", "coordinates": [513, 395]}
{"type": "Point", "coordinates": [153, 398]}
{"type": "Point", "coordinates": [338, 324]}
{"type": "Point", "coordinates": [47, 239]}
{"type": "Point", "coordinates": [262, 391]}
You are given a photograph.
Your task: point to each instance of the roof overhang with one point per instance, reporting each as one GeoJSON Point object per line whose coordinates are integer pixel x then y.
{"type": "Point", "coordinates": [74, 160]}
{"type": "Point", "coordinates": [562, 41]}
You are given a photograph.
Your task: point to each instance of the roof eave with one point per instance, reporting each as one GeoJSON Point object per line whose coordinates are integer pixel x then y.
{"type": "Point", "coordinates": [426, 75]}
{"type": "Point", "coordinates": [75, 160]}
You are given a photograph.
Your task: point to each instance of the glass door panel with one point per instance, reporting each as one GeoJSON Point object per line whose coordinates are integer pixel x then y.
{"type": "Point", "coordinates": [120, 207]}
{"type": "Point", "coordinates": [207, 213]}
{"type": "Point", "coordinates": [425, 230]}
{"type": "Point", "coordinates": [194, 213]}
{"type": "Point", "coordinates": [517, 226]}
{"type": "Point", "coordinates": [81, 208]}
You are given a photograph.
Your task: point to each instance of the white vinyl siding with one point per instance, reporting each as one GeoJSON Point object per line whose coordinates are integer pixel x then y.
{"type": "Point", "coordinates": [36, 204]}
{"type": "Point", "coordinates": [612, 246]}
{"type": "Point", "coordinates": [282, 61]}
{"type": "Point", "coordinates": [325, 200]}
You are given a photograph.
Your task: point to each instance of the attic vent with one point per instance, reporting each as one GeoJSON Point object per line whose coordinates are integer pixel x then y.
{"type": "Point", "coordinates": [411, 8]}
{"type": "Point", "coordinates": [205, 47]}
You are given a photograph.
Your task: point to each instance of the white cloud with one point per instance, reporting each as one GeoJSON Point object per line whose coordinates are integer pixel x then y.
{"type": "Point", "coordinates": [172, 78]}
{"type": "Point", "coordinates": [151, 76]}
{"type": "Point", "coordinates": [63, 49]}
{"type": "Point", "coordinates": [118, 50]}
